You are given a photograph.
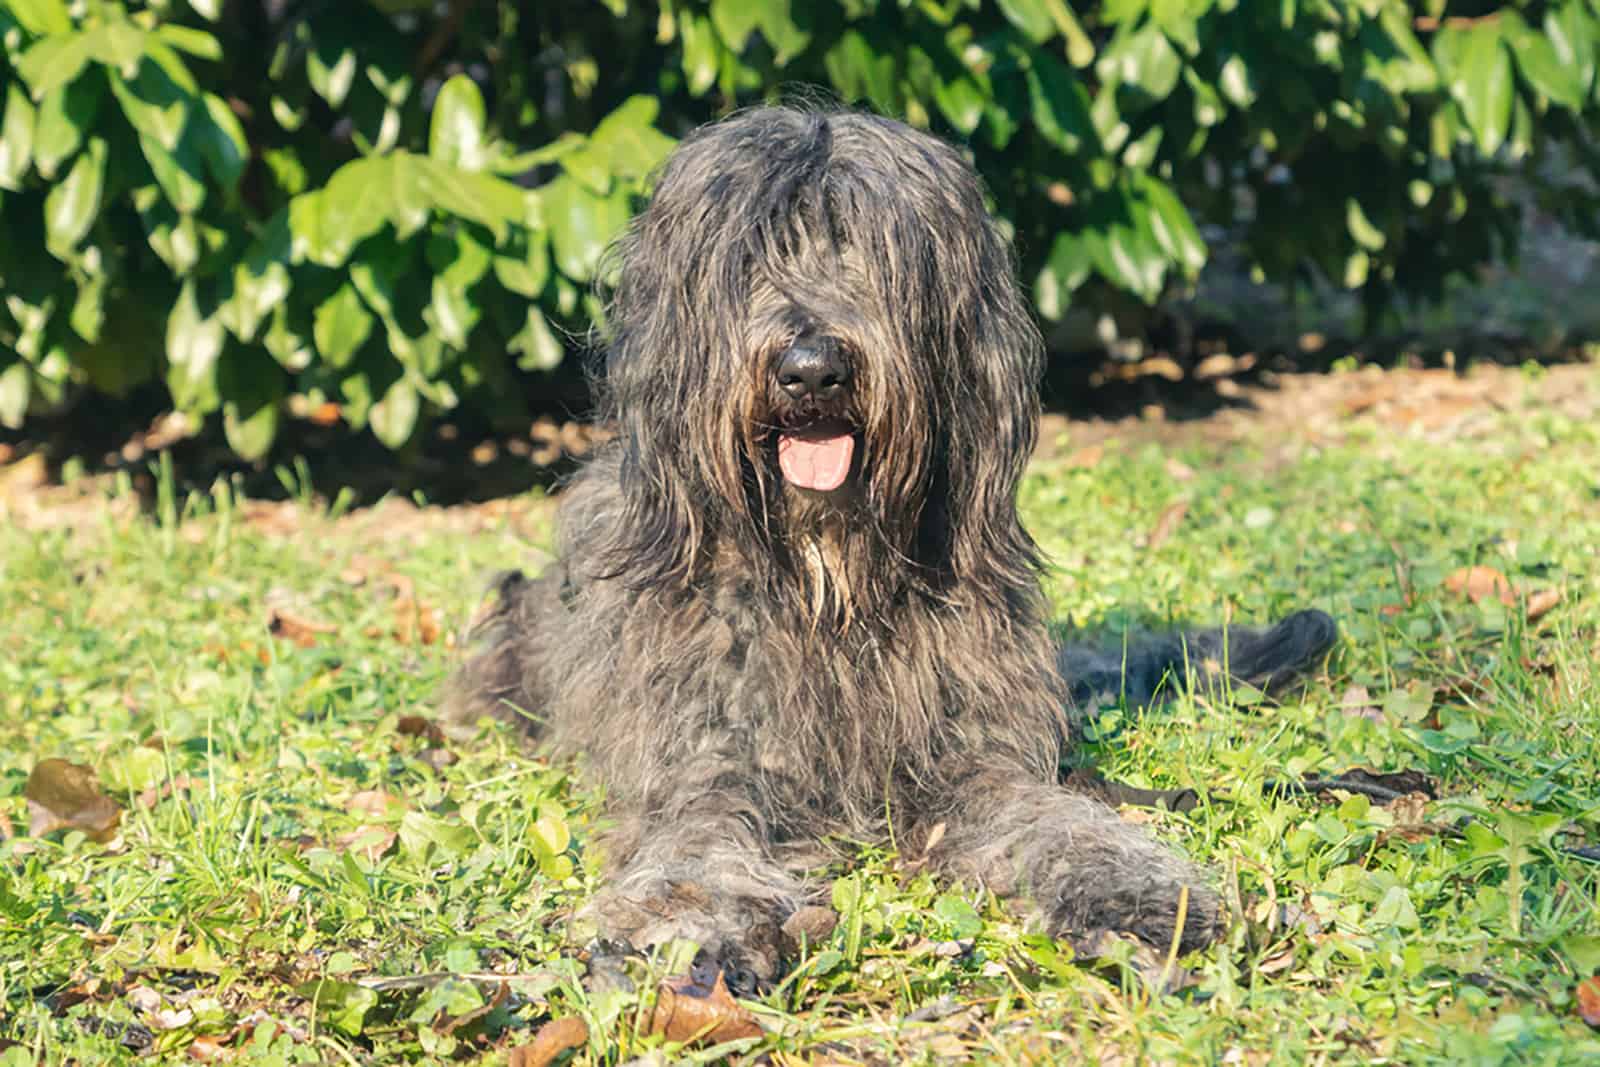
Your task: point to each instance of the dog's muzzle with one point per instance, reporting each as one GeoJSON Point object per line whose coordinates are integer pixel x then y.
{"type": "Point", "coordinates": [816, 452]}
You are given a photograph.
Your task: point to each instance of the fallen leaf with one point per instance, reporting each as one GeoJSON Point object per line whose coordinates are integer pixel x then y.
{"type": "Point", "coordinates": [686, 1012]}
{"type": "Point", "coordinates": [374, 802]}
{"type": "Point", "coordinates": [370, 841]}
{"type": "Point", "coordinates": [210, 1048]}
{"type": "Point", "coordinates": [420, 726]}
{"type": "Point", "coordinates": [554, 1038]}
{"type": "Point", "coordinates": [415, 622]}
{"type": "Point", "coordinates": [155, 794]}
{"type": "Point", "coordinates": [1356, 702]}
{"type": "Point", "coordinates": [811, 924]}
{"type": "Point", "coordinates": [1481, 582]}
{"type": "Point", "coordinates": [1171, 516]}
{"type": "Point", "coordinates": [1588, 999]}
{"type": "Point", "coordinates": [1541, 602]}
{"type": "Point", "coordinates": [302, 631]}
{"type": "Point", "coordinates": [67, 796]}
{"type": "Point", "coordinates": [1179, 471]}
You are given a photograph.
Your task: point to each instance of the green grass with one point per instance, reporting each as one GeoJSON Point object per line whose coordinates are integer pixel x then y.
{"type": "Point", "coordinates": [239, 908]}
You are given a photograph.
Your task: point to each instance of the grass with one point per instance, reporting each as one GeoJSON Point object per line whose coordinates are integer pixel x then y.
{"type": "Point", "coordinates": [292, 835]}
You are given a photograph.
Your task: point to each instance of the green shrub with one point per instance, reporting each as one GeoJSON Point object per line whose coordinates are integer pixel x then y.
{"type": "Point", "coordinates": [402, 210]}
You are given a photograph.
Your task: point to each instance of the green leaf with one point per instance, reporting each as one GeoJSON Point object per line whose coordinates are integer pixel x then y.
{"type": "Point", "coordinates": [393, 419]}
{"type": "Point", "coordinates": [116, 43]}
{"type": "Point", "coordinates": [960, 916]}
{"type": "Point", "coordinates": [1361, 228]}
{"type": "Point", "coordinates": [73, 203]}
{"type": "Point", "coordinates": [252, 388]}
{"type": "Point", "coordinates": [54, 62]}
{"type": "Point", "coordinates": [1571, 29]}
{"type": "Point", "coordinates": [16, 138]}
{"type": "Point", "coordinates": [1393, 57]}
{"type": "Point", "coordinates": [1543, 64]}
{"type": "Point", "coordinates": [735, 20]}
{"type": "Point", "coordinates": [536, 345]}
{"type": "Point", "coordinates": [42, 18]}
{"type": "Point", "coordinates": [353, 206]}
{"type": "Point", "coordinates": [1031, 17]}
{"type": "Point", "coordinates": [860, 71]}
{"type": "Point", "coordinates": [340, 1005]}
{"type": "Point", "coordinates": [1477, 70]}
{"type": "Point", "coordinates": [331, 68]}
{"type": "Point", "coordinates": [65, 115]}
{"type": "Point", "coordinates": [197, 43]}
{"type": "Point", "coordinates": [1067, 268]}
{"type": "Point", "coordinates": [179, 173]}
{"type": "Point", "coordinates": [483, 198]}
{"type": "Point", "coordinates": [581, 225]}
{"type": "Point", "coordinates": [1060, 104]}
{"type": "Point", "coordinates": [960, 100]}
{"type": "Point", "coordinates": [456, 129]}
{"type": "Point", "coordinates": [701, 51]}
{"type": "Point", "coordinates": [16, 386]}
{"type": "Point", "coordinates": [341, 326]}
{"type": "Point", "coordinates": [1145, 61]}
{"type": "Point", "coordinates": [525, 275]}
{"type": "Point", "coordinates": [631, 146]}
{"type": "Point", "coordinates": [194, 342]}
{"type": "Point", "coordinates": [221, 141]}
{"type": "Point", "coordinates": [1171, 226]}
{"type": "Point", "coordinates": [155, 107]}
{"type": "Point", "coordinates": [1237, 82]}
{"type": "Point", "coordinates": [260, 279]}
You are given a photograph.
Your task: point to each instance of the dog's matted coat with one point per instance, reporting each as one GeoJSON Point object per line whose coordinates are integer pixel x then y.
{"type": "Point", "coordinates": [793, 599]}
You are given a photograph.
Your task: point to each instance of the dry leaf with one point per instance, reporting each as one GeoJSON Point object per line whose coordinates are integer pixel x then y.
{"type": "Point", "coordinates": [67, 796]}
{"type": "Point", "coordinates": [302, 631]}
{"type": "Point", "coordinates": [373, 802]}
{"type": "Point", "coordinates": [1541, 602]}
{"type": "Point", "coordinates": [1588, 1000]}
{"type": "Point", "coordinates": [369, 841]}
{"type": "Point", "coordinates": [1356, 702]}
{"type": "Point", "coordinates": [554, 1038]}
{"type": "Point", "coordinates": [155, 794]}
{"type": "Point", "coordinates": [686, 1012]}
{"type": "Point", "coordinates": [1171, 516]}
{"type": "Point", "coordinates": [210, 1048]}
{"type": "Point", "coordinates": [1481, 582]}
{"type": "Point", "coordinates": [811, 924]}
{"type": "Point", "coordinates": [420, 726]}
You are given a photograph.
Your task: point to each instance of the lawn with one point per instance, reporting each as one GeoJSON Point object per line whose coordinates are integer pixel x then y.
{"type": "Point", "coordinates": [305, 870]}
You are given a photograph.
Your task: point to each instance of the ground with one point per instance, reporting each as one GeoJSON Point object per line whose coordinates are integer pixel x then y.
{"type": "Point", "coordinates": [230, 829]}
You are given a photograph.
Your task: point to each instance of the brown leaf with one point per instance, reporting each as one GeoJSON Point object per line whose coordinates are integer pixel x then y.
{"type": "Point", "coordinates": [1171, 516]}
{"type": "Point", "coordinates": [1356, 702]}
{"type": "Point", "coordinates": [210, 1048]}
{"type": "Point", "coordinates": [1588, 1000]}
{"type": "Point", "coordinates": [67, 796]}
{"type": "Point", "coordinates": [155, 794]}
{"type": "Point", "coordinates": [554, 1038]}
{"type": "Point", "coordinates": [373, 802]}
{"type": "Point", "coordinates": [370, 841]}
{"type": "Point", "coordinates": [420, 726]}
{"type": "Point", "coordinates": [686, 1012]}
{"type": "Point", "coordinates": [302, 631]}
{"type": "Point", "coordinates": [810, 924]}
{"type": "Point", "coordinates": [1540, 603]}
{"type": "Point", "coordinates": [1481, 582]}
{"type": "Point", "coordinates": [415, 622]}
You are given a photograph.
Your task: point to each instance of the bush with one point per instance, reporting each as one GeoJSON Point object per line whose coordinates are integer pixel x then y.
{"type": "Point", "coordinates": [399, 210]}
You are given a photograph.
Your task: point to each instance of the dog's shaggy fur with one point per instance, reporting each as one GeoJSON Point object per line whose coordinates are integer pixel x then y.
{"type": "Point", "coordinates": [758, 653]}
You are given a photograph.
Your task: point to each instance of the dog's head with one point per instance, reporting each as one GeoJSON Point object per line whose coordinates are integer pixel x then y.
{"type": "Point", "coordinates": [817, 333]}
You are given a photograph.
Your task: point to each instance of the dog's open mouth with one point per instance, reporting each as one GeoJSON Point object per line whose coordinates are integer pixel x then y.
{"type": "Point", "coordinates": [817, 457]}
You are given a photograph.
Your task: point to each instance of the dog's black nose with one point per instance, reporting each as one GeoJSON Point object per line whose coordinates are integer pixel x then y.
{"type": "Point", "coordinates": [813, 368]}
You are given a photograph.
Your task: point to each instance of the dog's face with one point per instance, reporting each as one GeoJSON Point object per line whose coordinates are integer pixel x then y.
{"type": "Point", "coordinates": [817, 333]}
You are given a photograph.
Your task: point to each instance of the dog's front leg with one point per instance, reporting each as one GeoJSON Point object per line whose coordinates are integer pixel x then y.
{"type": "Point", "coordinates": [1073, 863]}
{"type": "Point", "coordinates": [704, 874]}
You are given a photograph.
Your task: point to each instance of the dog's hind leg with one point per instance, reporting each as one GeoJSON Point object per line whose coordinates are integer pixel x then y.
{"type": "Point", "coordinates": [1265, 659]}
{"type": "Point", "coordinates": [1074, 864]}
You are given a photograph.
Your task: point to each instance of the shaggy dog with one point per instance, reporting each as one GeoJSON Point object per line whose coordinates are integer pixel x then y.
{"type": "Point", "coordinates": [793, 600]}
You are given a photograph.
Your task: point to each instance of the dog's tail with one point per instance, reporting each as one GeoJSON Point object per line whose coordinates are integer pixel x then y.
{"type": "Point", "coordinates": [1145, 668]}
{"type": "Point", "coordinates": [497, 678]}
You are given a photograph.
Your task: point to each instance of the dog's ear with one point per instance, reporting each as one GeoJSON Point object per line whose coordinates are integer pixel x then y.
{"type": "Point", "coordinates": [990, 417]}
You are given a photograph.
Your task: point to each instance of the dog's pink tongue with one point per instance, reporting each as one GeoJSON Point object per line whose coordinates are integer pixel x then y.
{"type": "Point", "coordinates": [820, 463]}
